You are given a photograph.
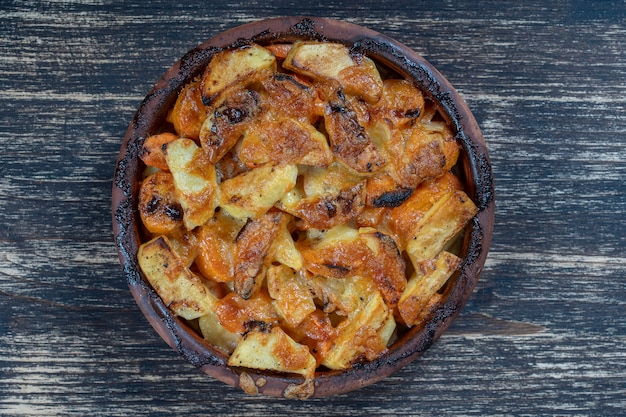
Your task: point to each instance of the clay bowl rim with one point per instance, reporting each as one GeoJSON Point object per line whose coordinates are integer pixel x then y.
{"type": "Point", "coordinates": [475, 167]}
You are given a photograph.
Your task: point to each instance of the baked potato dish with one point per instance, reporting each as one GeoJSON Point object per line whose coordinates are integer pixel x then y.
{"type": "Point", "coordinates": [300, 207]}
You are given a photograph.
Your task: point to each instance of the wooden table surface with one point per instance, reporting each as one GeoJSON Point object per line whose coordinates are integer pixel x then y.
{"type": "Point", "coordinates": [545, 330]}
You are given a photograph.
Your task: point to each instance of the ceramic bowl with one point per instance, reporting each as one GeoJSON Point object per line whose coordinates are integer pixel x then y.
{"type": "Point", "coordinates": [474, 169]}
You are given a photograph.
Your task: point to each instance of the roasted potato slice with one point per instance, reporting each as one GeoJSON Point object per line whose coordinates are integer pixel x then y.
{"type": "Point", "coordinates": [230, 166]}
{"type": "Point", "coordinates": [349, 140]}
{"type": "Point", "coordinates": [318, 60]}
{"type": "Point", "coordinates": [328, 181]}
{"type": "Point", "coordinates": [416, 156]}
{"type": "Point", "coordinates": [383, 191]}
{"type": "Point", "coordinates": [179, 288]}
{"type": "Point", "coordinates": [229, 120]}
{"type": "Point", "coordinates": [253, 193]}
{"type": "Point", "coordinates": [273, 350]}
{"type": "Point", "coordinates": [373, 217]}
{"type": "Point", "coordinates": [251, 248]}
{"type": "Point", "coordinates": [401, 221]}
{"type": "Point", "coordinates": [159, 209]}
{"type": "Point", "coordinates": [337, 253]}
{"type": "Point", "coordinates": [216, 244]}
{"type": "Point", "coordinates": [346, 252]}
{"type": "Point", "coordinates": [280, 50]}
{"type": "Point", "coordinates": [327, 197]}
{"type": "Point", "coordinates": [195, 181]}
{"type": "Point", "coordinates": [283, 248]}
{"type": "Point", "coordinates": [429, 112]}
{"type": "Point", "coordinates": [440, 224]}
{"type": "Point", "coordinates": [243, 65]}
{"type": "Point", "coordinates": [385, 265]}
{"type": "Point", "coordinates": [356, 73]}
{"type": "Point", "coordinates": [290, 97]}
{"type": "Point", "coordinates": [342, 296]}
{"type": "Point", "coordinates": [152, 152]}
{"type": "Point", "coordinates": [327, 211]}
{"type": "Point", "coordinates": [362, 336]}
{"type": "Point", "coordinates": [451, 148]}
{"type": "Point", "coordinates": [418, 153]}
{"type": "Point", "coordinates": [238, 315]}
{"type": "Point", "coordinates": [315, 331]}
{"type": "Point", "coordinates": [291, 294]}
{"type": "Point", "coordinates": [216, 334]}
{"type": "Point", "coordinates": [284, 140]}
{"type": "Point", "coordinates": [401, 103]}
{"type": "Point", "coordinates": [185, 244]}
{"type": "Point", "coordinates": [189, 112]}
{"type": "Point", "coordinates": [362, 80]}
{"type": "Point", "coordinates": [423, 286]}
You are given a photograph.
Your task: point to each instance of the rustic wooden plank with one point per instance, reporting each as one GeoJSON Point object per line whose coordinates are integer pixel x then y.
{"type": "Point", "coordinates": [543, 334]}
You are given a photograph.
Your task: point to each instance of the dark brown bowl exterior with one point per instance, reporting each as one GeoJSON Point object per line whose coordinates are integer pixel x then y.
{"type": "Point", "coordinates": [475, 172]}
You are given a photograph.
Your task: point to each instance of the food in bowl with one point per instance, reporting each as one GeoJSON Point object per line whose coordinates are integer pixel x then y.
{"type": "Point", "coordinates": [299, 206]}
{"type": "Point", "coordinates": [308, 213]}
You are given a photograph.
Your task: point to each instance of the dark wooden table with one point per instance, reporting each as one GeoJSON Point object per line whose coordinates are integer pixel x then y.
{"type": "Point", "coordinates": [543, 334]}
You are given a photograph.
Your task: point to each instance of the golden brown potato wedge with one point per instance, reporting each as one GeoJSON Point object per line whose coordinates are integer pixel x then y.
{"type": "Point", "coordinates": [326, 197]}
{"type": "Point", "coordinates": [401, 221]}
{"type": "Point", "coordinates": [356, 73]}
{"type": "Point", "coordinates": [185, 244]}
{"type": "Point", "coordinates": [195, 181]}
{"type": "Point", "coordinates": [373, 217]}
{"type": "Point", "coordinates": [318, 60]}
{"type": "Point", "coordinates": [179, 288]}
{"type": "Point", "coordinates": [349, 140]}
{"type": "Point", "coordinates": [253, 193]}
{"type": "Point", "coordinates": [283, 249]}
{"type": "Point", "coordinates": [152, 152]}
{"type": "Point", "coordinates": [362, 336]}
{"type": "Point", "coordinates": [315, 331]}
{"type": "Point", "coordinates": [347, 252]}
{"type": "Point", "coordinates": [401, 103]}
{"type": "Point", "coordinates": [159, 209]}
{"type": "Point", "coordinates": [327, 211]}
{"type": "Point", "coordinates": [383, 191]}
{"type": "Point", "coordinates": [440, 224]}
{"type": "Point", "coordinates": [228, 121]}
{"type": "Point", "coordinates": [385, 265]}
{"type": "Point", "coordinates": [189, 112]}
{"type": "Point", "coordinates": [273, 350]}
{"type": "Point", "coordinates": [291, 97]}
{"type": "Point", "coordinates": [284, 140]}
{"type": "Point", "coordinates": [243, 65]}
{"type": "Point", "coordinates": [362, 80]}
{"type": "Point", "coordinates": [451, 147]}
{"type": "Point", "coordinates": [251, 248]}
{"type": "Point", "coordinates": [328, 181]}
{"type": "Point", "coordinates": [423, 286]}
{"type": "Point", "coordinates": [216, 334]}
{"type": "Point", "coordinates": [238, 315]}
{"type": "Point", "coordinates": [280, 50]}
{"type": "Point", "coordinates": [216, 244]}
{"type": "Point", "coordinates": [337, 253]}
{"type": "Point", "coordinates": [416, 156]}
{"type": "Point", "coordinates": [342, 296]}
{"type": "Point", "coordinates": [291, 294]}
{"type": "Point", "coordinates": [230, 166]}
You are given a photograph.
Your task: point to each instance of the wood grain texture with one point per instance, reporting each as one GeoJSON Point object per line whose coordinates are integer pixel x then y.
{"type": "Point", "coordinates": [543, 334]}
